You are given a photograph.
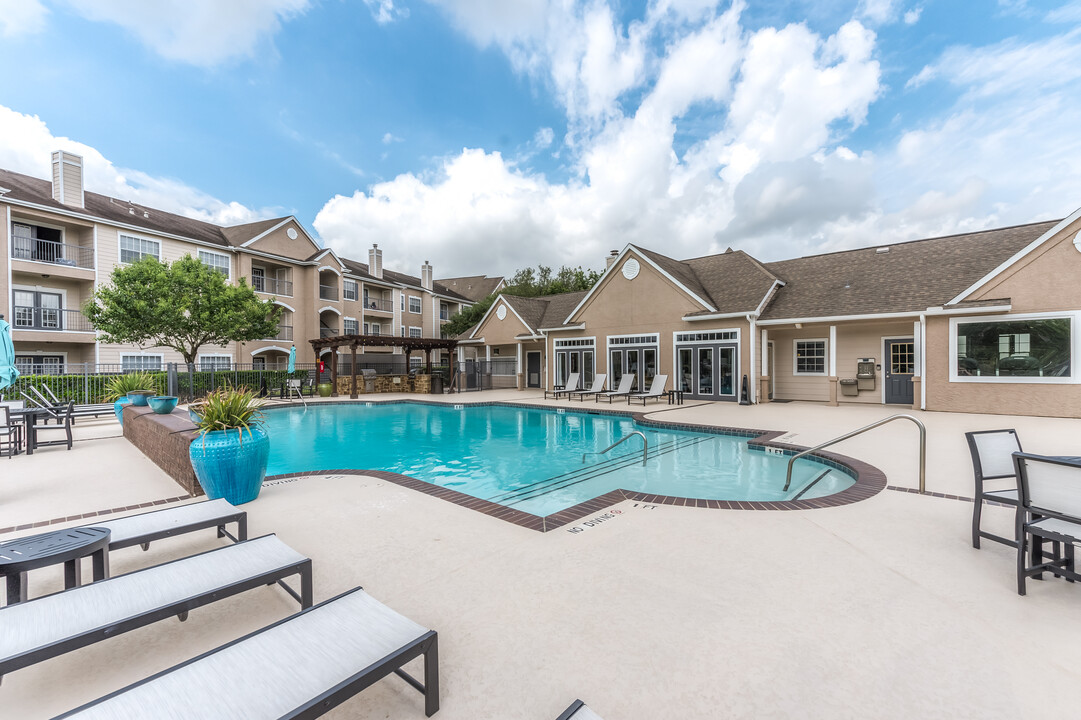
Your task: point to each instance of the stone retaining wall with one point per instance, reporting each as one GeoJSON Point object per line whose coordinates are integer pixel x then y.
{"type": "Point", "coordinates": [164, 439]}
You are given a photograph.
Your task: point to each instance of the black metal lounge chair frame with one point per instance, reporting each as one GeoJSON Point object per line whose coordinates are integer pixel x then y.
{"type": "Point", "coordinates": [240, 517]}
{"type": "Point", "coordinates": [426, 645]}
{"type": "Point", "coordinates": [1033, 536]}
{"type": "Point", "coordinates": [180, 609]}
{"type": "Point", "coordinates": [980, 495]}
{"type": "Point", "coordinates": [571, 710]}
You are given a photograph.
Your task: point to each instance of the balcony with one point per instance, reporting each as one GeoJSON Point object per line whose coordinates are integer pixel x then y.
{"type": "Point", "coordinates": [53, 253]}
{"type": "Point", "coordinates": [328, 332]}
{"type": "Point", "coordinates": [379, 304]}
{"type": "Point", "coordinates": [328, 292]}
{"type": "Point", "coordinates": [285, 332]}
{"type": "Point", "coordinates": [272, 286]}
{"type": "Point", "coordinates": [51, 319]}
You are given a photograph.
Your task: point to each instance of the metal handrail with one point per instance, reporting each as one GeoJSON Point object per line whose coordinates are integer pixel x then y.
{"type": "Point", "coordinates": [645, 446]}
{"type": "Point", "coordinates": [854, 433]}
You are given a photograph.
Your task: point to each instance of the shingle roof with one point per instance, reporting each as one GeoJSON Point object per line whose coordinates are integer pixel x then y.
{"type": "Point", "coordinates": [531, 310]}
{"type": "Point", "coordinates": [735, 281]}
{"type": "Point", "coordinates": [474, 287]}
{"type": "Point", "coordinates": [559, 307]}
{"type": "Point", "coordinates": [237, 235]}
{"type": "Point", "coordinates": [910, 277]}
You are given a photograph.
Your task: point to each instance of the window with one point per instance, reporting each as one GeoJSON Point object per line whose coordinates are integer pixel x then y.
{"type": "Point", "coordinates": [215, 362]}
{"type": "Point", "coordinates": [366, 328]}
{"type": "Point", "coordinates": [215, 261]}
{"type": "Point", "coordinates": [140, 362]}
{"type": "Point", "coordinates": [377, 330]}
{"type": "Point", "coordinates": [350, 326]}
{"type": "Point", "coordinates": [349, 289]}
{"type": "Point", "coordinates": [135, 248]}
{"type": "Point", "coordinates": [40, 364]}
{"type": "Point", "coordinates": [414, 304]}
{"type": "Point", "coordinates": [691, 337]}
{"type": "Point", "coordinates": [416, 332]}
{"type": "Point", "coordinates": [810, 357]}
{"type": "Point", "coordinates": [444, 312]}
{"type": "Point", "coordinates": [403, 330]}
{"type": "Point", "coordinates": [401, 297]}
{"type": "Point", "coordinates": [1039, 347]}
{"type": "Point", "coordinates": [415, 361]}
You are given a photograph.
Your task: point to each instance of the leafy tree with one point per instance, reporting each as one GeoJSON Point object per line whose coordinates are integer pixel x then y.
{"type": "Point", "coordinates": [183, 305]}
{"type": "Point", "coordinates": [526, 282]}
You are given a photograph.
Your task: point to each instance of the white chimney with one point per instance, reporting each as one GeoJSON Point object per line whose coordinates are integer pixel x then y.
{"type": "Point", "coordinates": [68, 178]}
{"type": "Point", "coordinates": [426, 275]}
{"type": "Point", "coordinates": [610, 259]}
{"type": "Point", "coordinates": [375, 261]}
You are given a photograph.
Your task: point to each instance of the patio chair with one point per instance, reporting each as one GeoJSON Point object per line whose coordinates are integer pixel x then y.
{"type": "Point", "coordinates": [45, 627]}
{"type": "Point", "coordinates": [578, 710]}
{"type": "Point", "coordinates": [144, 528]}
{"type": "Point", "coordinates": [1049, 509]}
{"type": "Point", "coordinates": [570, 386]}
{"type": "Point", "coordinates": [992, 459]}
{"type": "Point", "coordinates": [596, 387]}
{"type": "Point", "coordinates": [63, 416]}
{"type": "Point", "coordinates": [656, 390]}
{"type": "Point", "coordinates": [11, 433]}
{"type": "Point", "coordinates": [41, 404]}
{"type": "Point", "coordinates": [624, 389]}
{"type": "Point", "coordinates": [300, 667]}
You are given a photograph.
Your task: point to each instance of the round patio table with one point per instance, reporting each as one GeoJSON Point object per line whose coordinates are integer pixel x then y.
{"type": "Point", "coordinates": [60, 546]}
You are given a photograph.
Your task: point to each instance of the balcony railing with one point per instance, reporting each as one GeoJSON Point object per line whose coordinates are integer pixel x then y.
{"type": "Point", "coordinates": [285, 332]}
{"type": "Point", "coordinates": [272, 286]}
{"type": "Point", "coordinates": [328, 332]}
{"type": "Point", "coordinates": [55, 319]}
{"type": "Point", "coordinates": [53, 253]}
{"type": "Point", "coordinates": [328, 292]}
{"type": "Point", "coordinates": [371, 303]}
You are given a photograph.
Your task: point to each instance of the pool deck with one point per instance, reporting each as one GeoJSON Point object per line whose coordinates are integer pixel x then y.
{"type": "Point", "coordinates": [877, 609]}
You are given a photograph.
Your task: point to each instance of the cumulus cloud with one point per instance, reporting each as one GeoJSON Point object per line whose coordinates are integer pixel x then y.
{"type": "Point", "coordinates": [878, 12]}
{"type": "Point", "coordinates": [385, 11]}
{"type": "Point", "coordinates": [28, 150]}
{"type": "Point", "coordinates": [200, 32]}
{"type": "Point", "coordinates": [913, 16]}
{"type": "Point", "coordinates": [21, 17]}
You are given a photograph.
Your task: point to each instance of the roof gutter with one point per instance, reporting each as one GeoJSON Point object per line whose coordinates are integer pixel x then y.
{"type": "Point", "coordinates": [969, 310]}
{"type": "Point", "coordinates": [717, 316]}
{"type": "Point", "coordinates": [579, 326]}
{"type": "Point", "coordinates": [840, 318]}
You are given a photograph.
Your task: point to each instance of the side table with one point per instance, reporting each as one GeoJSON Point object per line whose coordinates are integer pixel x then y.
{"type": "Point", "coordinates": [60, 546]}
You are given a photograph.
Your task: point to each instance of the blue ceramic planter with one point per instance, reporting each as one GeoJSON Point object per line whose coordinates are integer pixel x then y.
{"type": "Point", "coordinates": [163, 404]}
{"type": "Point", "coordinates": [118, 408]}
{"type": "Point", "coordinates": [194, 416]}
{"type": "Point", "coordinates": [139, 397]}
{"type": "Point", "coordinates": [228, 468]}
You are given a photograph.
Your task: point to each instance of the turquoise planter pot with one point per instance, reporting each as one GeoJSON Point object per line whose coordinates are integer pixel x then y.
{"type": "Point", "coordinates": [118, 408]}
{"type": "Point", "coordinates": [163, 404]}
{"type": "Point", "coordinates": [139, 397]}
{"type": "Point", "coordinates": [228, 468]}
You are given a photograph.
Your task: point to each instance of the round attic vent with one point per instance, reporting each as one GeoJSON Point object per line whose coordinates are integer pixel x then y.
{"type": "Point", "coordinates": [1077, 241]}
{"type": "Point", "coordinates": [501, 312]}
{"type": "Point", "coordinates": [630, 269]}
{"type": "Point", "coordinates": [292, 233]}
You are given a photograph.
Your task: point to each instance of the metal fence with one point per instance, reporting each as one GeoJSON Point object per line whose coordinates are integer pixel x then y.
{"type": "Point", "coordinates": [471, 375]}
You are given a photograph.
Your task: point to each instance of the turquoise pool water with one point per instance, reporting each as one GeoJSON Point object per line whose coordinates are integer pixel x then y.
{"type": "Point", "coordinates": [531, 458]}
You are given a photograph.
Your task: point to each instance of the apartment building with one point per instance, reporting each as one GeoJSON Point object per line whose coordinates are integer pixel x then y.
{"type": "Point", "coordinates": [63, 241]}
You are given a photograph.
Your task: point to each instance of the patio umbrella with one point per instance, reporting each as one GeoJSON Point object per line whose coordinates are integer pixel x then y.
{"type": "Point", "coordinates": [8, 372]}
{"type": "Point", "coordinates": [293, 358]}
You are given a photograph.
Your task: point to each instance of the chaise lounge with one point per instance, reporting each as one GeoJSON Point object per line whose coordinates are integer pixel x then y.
{"type": "Point", "coordinates": [655, 392]}
{"type": "Point", "coordinates": [596, 387]}
{"type": "Point", "coordinates": [578, 710]}
{"type": "Point", "coordinates": [568, 388]}
{"type": "Point", "coordinates": [624, 389]}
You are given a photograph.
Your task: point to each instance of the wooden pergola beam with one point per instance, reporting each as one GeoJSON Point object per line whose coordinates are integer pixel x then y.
{"type": "Point", "coordinates": [355, 341]}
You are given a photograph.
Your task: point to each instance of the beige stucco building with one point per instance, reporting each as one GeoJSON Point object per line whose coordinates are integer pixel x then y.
{"type": "Point", "coordinates": [978, 322]}
{"type": "Point", "coordinates": [62, 242]}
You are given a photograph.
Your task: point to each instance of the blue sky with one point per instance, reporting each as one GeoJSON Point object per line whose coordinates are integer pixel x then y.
{"type": "Point", "coordinates": [486, 135]}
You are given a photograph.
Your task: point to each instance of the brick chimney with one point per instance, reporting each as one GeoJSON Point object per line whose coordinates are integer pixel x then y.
{"type": "Point", "coordinates": [375, 261]}
{"type": "Point", "coordinates": [426, 275]}
{"type": "Point", "coordinates": [610, 259]}
{"type": "Point", "coordinates": [68, 178]}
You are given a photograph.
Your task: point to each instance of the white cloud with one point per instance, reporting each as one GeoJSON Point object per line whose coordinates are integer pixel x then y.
{"type": "Point", "coordinates": [21, 17]}
{"type": "Point", "coordinates": [1068, 13]}
{"type": "Point", "coordinates": [913, 16]}
{"type": "Point", "coordinates": [389, 138]}
{"type": "Point", "coordinates": [543, 138]}
{"type": "Point", "coordinates": [200, 32]}
{"type": "Point", "coordinates": [878, 12]}
{"type": "Point", "coordinates": [385, 11]}
{"type": "Point", "coordinates": [26, 144]}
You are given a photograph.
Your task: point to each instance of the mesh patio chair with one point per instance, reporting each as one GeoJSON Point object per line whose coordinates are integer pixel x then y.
{"type": "Point", "coordinates": [570, 386]}
{"type": "Point", "coordinates": [596, 387]}
{"type": "Point", "coordinates": [1049, 509]}
{"type": "Point", "coordinates": [63, 416]}
{"type": "Point", "coordinates": [992, 459]}
{"type": "Point", "coordinates": [11, 433]}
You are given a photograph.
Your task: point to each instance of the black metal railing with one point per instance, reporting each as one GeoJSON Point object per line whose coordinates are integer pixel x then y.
{"type": "Point", "coordinates": [53, 253]}
{"type": "Point", "coordinates": [272, 286]}
{"type": "Point", "coordinates": [328, 292]}
{"type": "Point", "coordinates": [328, 332]}
{"type": "Point", "coordinates": [57, 319]}
{"type": "Point", "coordinates": [380, 304]}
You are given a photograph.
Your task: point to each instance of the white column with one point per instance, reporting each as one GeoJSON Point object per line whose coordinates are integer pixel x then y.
{"type": "Point", "coordinates": [765, 352]}
{"type": "Point", "coordinates": [488, 353]}
{"type": "Point", "coordinates": [917, 348]}
{"type": "Point", "coordinates": [752, 381]}
{"type": "Point", "coordinates": [833, 351]}
{"type": "Point", "coordinates": [518, 355]}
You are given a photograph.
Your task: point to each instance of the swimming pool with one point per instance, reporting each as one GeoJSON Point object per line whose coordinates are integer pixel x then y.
{"type": "Point", "coordinates": [531, 459]}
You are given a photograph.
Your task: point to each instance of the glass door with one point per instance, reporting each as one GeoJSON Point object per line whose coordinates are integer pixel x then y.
{"type": "Point", "coordinates": [705, 371]}
{"type": "Point", "coordinates": [686, 369]}
{"type": "Point", "coordinates": [649, 367]}
{"type": "Point", "coordinates": [574, 364]}
{"type": "Point", "coordinates": [587, 369]}
{"type": "Point", "coordinates": [632, 368]}
{"type": "Point", "coordinates": [615, 369]}
{"type": "Point", "coordinates": [726, 381]}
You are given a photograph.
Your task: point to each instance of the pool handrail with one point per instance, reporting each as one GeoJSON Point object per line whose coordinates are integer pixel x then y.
{"type": "Point", "coordinates": [854, 433]}
{"type": "Point", "coordinates": [628, 436]}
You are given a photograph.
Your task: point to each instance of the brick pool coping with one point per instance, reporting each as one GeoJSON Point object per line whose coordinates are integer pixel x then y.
{"type": "Point", "coordinates": [869, 480]}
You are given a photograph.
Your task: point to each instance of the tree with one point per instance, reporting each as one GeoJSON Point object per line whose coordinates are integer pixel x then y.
{"type": "Point", "coordinates": [183, 305]}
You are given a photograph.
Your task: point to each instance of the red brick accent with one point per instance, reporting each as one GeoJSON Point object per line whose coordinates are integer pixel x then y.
{"type": "Point", "coordinates": [165, 440]}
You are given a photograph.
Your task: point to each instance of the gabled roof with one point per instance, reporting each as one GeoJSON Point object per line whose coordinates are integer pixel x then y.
{"type": "Point", "coordinates": [237, 235]}
{"type": "Point", "coordinates": [734, 281]}
{"type": "Point", "coordinates": [559, 307]}
{"type": "Point", "coordinates": [391, 277]}
{"type": "Point", "coordinates": [474, 287]}
{"type": "Point", "coordinates": [904, 277]}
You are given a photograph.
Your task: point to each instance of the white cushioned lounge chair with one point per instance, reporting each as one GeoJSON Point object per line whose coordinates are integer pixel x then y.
{"type": "Point", "coordinates": [596, 387]}
{"type": "Point", "coordinates": [146, 527]}
{"type": "Point", "coordinates": [300, 667]}
{"type": "Point", "coordinates": [578, 710]}
{"type": "Point", "coordinates": [623, 390]}
{"type": "Point", "coordinates": [570, 386]}
{"type": "Point", "coordinates": [656, 390]}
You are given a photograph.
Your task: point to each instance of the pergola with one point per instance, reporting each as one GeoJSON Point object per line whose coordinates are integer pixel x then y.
{"type": "Point", "coordinates": [354, 341]}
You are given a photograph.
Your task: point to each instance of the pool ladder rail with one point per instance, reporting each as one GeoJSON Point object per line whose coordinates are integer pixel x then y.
{"type": "Point", "coordinates": [860, 431]}
{"type": "Point", "coordinates": [625, 438]}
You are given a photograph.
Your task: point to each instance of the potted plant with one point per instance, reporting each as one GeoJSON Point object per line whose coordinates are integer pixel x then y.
{"type": "Point", "coordinates": [118, 387]}
{"type": "Point", "coordinates": [230, 456]}
{"type": "Point", "coordinates": [325, 389]}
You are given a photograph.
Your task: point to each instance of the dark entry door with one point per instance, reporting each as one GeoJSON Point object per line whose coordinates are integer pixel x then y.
{"type": "Point", "coordinates": [533, 369]}
{"type": "Point", "coordinates": [900, 365]}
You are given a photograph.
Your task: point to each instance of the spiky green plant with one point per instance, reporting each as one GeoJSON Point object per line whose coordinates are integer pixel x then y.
{"type": "Point", "coordinates": [229, 409]}
{"type": "Point", "coordinates": [120, 385]}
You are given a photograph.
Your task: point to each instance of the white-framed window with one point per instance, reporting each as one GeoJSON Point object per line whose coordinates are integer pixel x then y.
{"type": "Point", "coordinates": [350, 326]}
{"type": "Point", "coordinates": [215, 261]}
{"type": "Point", "coordinates": [349, 289]}
{"type": "Point", "coordinates": [40, 364]}
{"type": "Point", "coordinates": [401, 297]}
{"type": "Point", "coordinates": [809, 357]}
{"type": "Point", "coordinates": [705, 337]}
{"type": "Point", "coordinates": [415, 332]}
{"type": "Point", "coordinates": [414, 304]}
{"type": "Point", "coordinates": [1031, 348]}
{"type": "Point", "coordinates": [130, 363]}
{"type": "Point", "coordinates": [215, 362]}
{"type": "Point", "coordinates": [366, 329]}
{"type": "Point", "coordinates": [377, 329]}
{"type": "Point", "coordinates": [135, 248]}
{"type": "Point", "coordinates": [415, 361]}
{"type": "Point", "coordinates": [403, 331]}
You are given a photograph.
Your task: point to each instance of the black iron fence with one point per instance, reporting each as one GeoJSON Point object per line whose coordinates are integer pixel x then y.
{"type": "Point", "coordinates": [470, 375]}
